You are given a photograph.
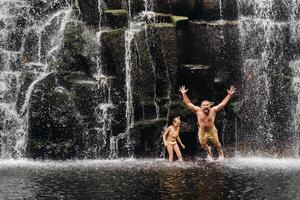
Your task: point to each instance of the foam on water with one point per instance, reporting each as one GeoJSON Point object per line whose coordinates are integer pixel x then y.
{"type": "Point", "coordinates": [122, 164]}
{"type": "Point", "coordinates": [257, 163]}
{"type": "Point", "coordinates": [262, 163]}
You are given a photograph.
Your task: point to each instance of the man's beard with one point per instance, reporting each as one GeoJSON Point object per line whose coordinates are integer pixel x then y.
{"type": "Point", "coordinates": [206, 111]}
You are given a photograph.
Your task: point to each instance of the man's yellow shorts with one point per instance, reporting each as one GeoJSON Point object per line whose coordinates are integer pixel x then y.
{"type": "Point", "coordinates": [211, 135]}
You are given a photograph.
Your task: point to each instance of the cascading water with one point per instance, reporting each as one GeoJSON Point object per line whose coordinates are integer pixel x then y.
{"type": "Point", "coordinates": [221, 9]}
{"type": "Point", "coordinates": [23, 59]}
{"type": "Point", "coordinates": [103, 110]}
{"type": "Point", "coordinates": [265, 37]}
{"type": "Point", "coordinates": [295, 66]}
{"type": "Point", "coordinates": [256, 66]}
{"type": "Point", "coordinates": [296, 123]}
{"type": "Point", "coordinates": [11, 124]}
{"type": "Point", "coordinates": [137, 24]}
{"type": "Point", "coordinates": [129, 112]}
{"type": "Point", "coordinates": [295, 22]}
{"type": "Point", "coordinates": [129, 35]}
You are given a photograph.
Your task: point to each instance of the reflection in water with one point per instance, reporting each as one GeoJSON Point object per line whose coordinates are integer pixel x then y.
{"type": "Point", "coordinates": [236, 178]}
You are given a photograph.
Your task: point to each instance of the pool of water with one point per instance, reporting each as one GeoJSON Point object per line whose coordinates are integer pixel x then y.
{"type": "Point", "coordinates": [234, 178]}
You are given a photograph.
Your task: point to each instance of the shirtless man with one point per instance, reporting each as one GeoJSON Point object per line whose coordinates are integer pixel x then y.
{"type": "Point", "coordinates": [170, 137]}
{"type": "Point", "coordinates": [206, 120]}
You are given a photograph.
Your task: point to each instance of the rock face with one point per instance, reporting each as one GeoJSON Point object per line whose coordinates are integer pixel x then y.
{"type": "Point", "coordinates": [100, 79]}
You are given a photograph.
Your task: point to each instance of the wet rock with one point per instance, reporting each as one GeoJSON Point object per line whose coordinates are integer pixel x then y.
{"type": "Point", "coordinates": [62, 115]}
{"type": "Point", "coordinates": [143, 66]}
{"type": "Point", "coordinates": [198, 78]}
{"type": "Point", "coordinates": [52, 123]}
{"type": "Point", "coordinates": [246, 8]}
{"type": "Point", "coordinates": [281, 10]}
{"type": "Point", "coordinates": [163, 50]}
{"type": "Point", "coordinates": [119, 122]}
{"type": "Point", "coordinates": [197, 47]}
{"type": "Point", "coordinates": [116, 18]}
{"type": "Point", "coordinates": [113, 54]}
{"type": "Point", "coordinates": [25, 81]}
{"type": "Point", "coordinates": [40, 9]}
{"type": "Point", "coordinates": [14, 40]}
{"type": "Point", "coordinates": [71, 56]}
{"type": "Point", "coordinates": [146, 137]}
{"type": "Point", "coordinates": [49, 36]}
{"type": "Point", "coordinates": [90, 13]}
{"type": "Point", "coordinates": [230, 9]}
{"type": "Point", "coordinates": [276, 10]}
{"type": "Point", "coordinates": [209, 10]}
{"type": "Point", "coordinates": [212, 44]}
{"type": "Point", "coordinates": [30, 47]}
{"type": "Point", "coordinates": [187, 8]}
{"type": "Point", "coordinates": [154, 59]}
{"type": "Point", "coordinates": [114, 4]}
{"type": "Point", "coordinates": [9, 87]}
{"type": "Point", "coordinates": [2, 24]}
{"type": "Point", "coordinates": [162, 18]}
{"type": "Point", "coordinates": [197, 74]}
{"type": "Point", "coordinates": [136, 6]}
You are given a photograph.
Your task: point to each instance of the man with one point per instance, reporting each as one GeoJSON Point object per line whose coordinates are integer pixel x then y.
{"type": "Point", "coordinates": [206, 120]}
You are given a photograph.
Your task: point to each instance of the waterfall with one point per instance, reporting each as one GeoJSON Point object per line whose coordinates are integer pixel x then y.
{"type": "Point", "coordinates": [221, 9]}
{"type": "Point", "coordinates": [256, 66]}
{"type": "Point", "coordinates": [23, 56]}
{"type": "Point", "coordinates": [295, 22]}
{"type": "Point", "coordinates": [265, 35]}
{"type": "Point", "coordinates": [129, 113]}
{"type": "Point", "coordinates": [12, 125]}
{"type": "Point", "coordinates": [154, 75]}
{"type": "Point", "coordinates": [129, 35]}
{"type": "Point", "coordinates": [103, 110]}
{"type": "Point", "coordinates": [137, 24]}
{"type": "Point", "coordinates": [295, 65]}
{"type": "Point", "coordinates": [95, 143]}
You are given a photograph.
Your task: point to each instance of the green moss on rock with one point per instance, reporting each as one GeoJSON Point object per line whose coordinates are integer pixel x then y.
{"type": "Point", "coordinates": [179, 21]}
{"type": "Point", "coordinates": [116, 12]}
{"type": "Point", "coordinates": [161, 25]}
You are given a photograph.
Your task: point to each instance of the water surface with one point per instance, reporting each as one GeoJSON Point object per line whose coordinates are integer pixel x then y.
{"type": "Point", "coordinates": [235, 178]}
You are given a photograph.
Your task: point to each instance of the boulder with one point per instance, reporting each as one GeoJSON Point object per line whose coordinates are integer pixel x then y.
{"type": "Point", "coordinates": [63, 119]}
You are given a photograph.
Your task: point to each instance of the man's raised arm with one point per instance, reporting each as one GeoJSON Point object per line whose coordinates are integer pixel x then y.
{"type": "Point", "coordinates": [230, 92]}
{"type": "Point", "coordinates": [187, 101]}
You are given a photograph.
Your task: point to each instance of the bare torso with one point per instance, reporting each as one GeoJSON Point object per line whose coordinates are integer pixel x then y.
{"type": "Point", "coordinates": [206, 121]}
{"type": "Point", "coordinates": [173, 134]}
